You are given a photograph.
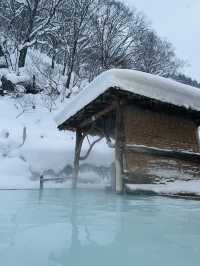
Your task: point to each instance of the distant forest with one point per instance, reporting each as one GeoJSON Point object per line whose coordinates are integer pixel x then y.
{"type": "Point", "coordinates": [86, 37]}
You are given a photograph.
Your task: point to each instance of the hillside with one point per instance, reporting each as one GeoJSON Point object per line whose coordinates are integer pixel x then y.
{"type": "Point", "coordinates": [46, 150]}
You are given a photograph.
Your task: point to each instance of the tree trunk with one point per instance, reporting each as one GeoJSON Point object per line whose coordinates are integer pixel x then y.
{"type": "Point", "coordinates": [53, 61]}
{"type": "Point", "coordinates": [68, 80]}
{"type": "Point", "coordinates": [22, 57]}
{"type": "Point", "coordinates": [65, 64]}
{"type": "Point", "coordinates": [71, 69]}
{"type": "Point", "coordinates": [7, 55]}
{"type": "Point", "coordinates": [1, 51]}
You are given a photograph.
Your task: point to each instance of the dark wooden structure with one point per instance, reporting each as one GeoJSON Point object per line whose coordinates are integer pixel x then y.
{"type": "Point", "coordinates": [149, 136]}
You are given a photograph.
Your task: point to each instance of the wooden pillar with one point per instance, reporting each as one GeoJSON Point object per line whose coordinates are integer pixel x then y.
{"type": "Point", "coordinates": [41, 182]}
{"type": "Point", "coordinates": [118, 149]}
{"type": "Point", "coordinates": [113, 177]}
{"type": "Point", "coordinates": [78, 146]}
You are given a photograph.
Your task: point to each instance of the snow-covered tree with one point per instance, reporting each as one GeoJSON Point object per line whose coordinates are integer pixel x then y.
{"type": "Point", "coordinates": [26, 21]}
{"type": "Point", "coordinates": [85, 37]}
{"type": "Point", "coordinates": [154, 55]}
{"type": "Point", "coordinates": [111, 38]}
{"type": "Point", "coordinates": [76, 18]}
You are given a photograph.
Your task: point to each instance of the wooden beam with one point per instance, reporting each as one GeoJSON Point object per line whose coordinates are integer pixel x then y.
{"type": "Point", "coordinates": [57, 179]}
{"type": "Point", "coordinates": [90, 149]}
{"type": "Point", "coordinates": [93, 118]}
{"type": "Point", "coordinates": [181, 155]}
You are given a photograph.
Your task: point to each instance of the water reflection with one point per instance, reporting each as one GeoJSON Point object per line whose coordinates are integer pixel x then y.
{"type": "Point", "coordinates": [64, 227]}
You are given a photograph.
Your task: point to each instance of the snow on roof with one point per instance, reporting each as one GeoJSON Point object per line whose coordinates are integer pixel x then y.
{"type": "Point", "coordinates": [137, 82]}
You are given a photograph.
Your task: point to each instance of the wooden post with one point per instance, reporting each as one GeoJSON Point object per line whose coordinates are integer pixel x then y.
{"type": "Point", "coordinates": [118, 149]}
{"type": "Point", "coordinates": [113, 177]}
{"type": "Point", "coordinates": [79, 141]}
{"type": "Point", "coordinates": [41, 182]}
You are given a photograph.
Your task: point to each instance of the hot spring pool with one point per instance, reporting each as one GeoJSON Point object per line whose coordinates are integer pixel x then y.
{"type": "Point", "coordinates": [92, 228]}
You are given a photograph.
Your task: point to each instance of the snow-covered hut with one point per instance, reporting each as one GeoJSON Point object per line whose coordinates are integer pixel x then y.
{"type": "Point", "coordinates": [152, 121]}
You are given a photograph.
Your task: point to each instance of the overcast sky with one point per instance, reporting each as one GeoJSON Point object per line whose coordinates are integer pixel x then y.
{"type": "Point", "coordinates": [179, 22]}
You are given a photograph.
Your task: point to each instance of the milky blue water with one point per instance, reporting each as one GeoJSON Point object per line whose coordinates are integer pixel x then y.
{"type": "Point", "coordinates": [67, 228]}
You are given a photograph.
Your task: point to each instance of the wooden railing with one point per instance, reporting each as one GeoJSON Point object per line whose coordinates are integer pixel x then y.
{"type": "Point", "coordinates": [43, 180]}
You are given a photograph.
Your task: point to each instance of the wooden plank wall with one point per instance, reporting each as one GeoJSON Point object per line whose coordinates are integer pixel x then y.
{"type": "Point", "coordinates": [160, 130]}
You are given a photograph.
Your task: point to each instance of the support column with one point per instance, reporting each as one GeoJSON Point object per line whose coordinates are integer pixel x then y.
{"type": "Point", "coordinates": [78, 146]}
{"type": "Point", "coordinates": [118, 149]}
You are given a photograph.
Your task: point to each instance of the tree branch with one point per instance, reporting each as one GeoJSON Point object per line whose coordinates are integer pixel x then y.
{"type": "Point", "coordinates": [90, 149]}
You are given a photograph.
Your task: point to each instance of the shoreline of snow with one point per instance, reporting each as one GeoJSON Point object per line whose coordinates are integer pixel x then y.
{"type": "Point", "coordinates": [177, 188]}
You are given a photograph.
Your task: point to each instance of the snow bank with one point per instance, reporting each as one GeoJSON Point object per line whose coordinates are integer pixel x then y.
{"type": "Point", "coordinates": [46, 149]}
{"type": "Point", "coordinates": [177, 187]}
{"type": "Point", "coordinates": [151, 86]}
{"type": "Point", "coordinates": [14, 173]}
{"type": "Point", "coordinates": [13, 77]}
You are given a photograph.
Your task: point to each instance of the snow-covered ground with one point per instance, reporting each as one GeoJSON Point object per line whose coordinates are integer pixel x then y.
{"type": "Point", "coordinates": [46, 150]}
{"type": "Point", "coordinates": [188, 188]}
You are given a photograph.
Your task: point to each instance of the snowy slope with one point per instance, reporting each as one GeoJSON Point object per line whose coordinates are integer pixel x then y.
{"type": "Point", "coordinates": [137, 82]}
{"type": "Point", "coordinates": [46, 149]}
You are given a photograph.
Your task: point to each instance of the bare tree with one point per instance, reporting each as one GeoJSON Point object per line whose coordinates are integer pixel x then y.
{"type": "Point", "coordinates": [114, 27]}
{"type": "Point", "coordinates": [112, 36]}
{"type": "Point", "coordinates": [75, 18]}
{"type": "Point", "coordinates": [85, 37]}
{"type": "Point", "coordinates": [153, 55]}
